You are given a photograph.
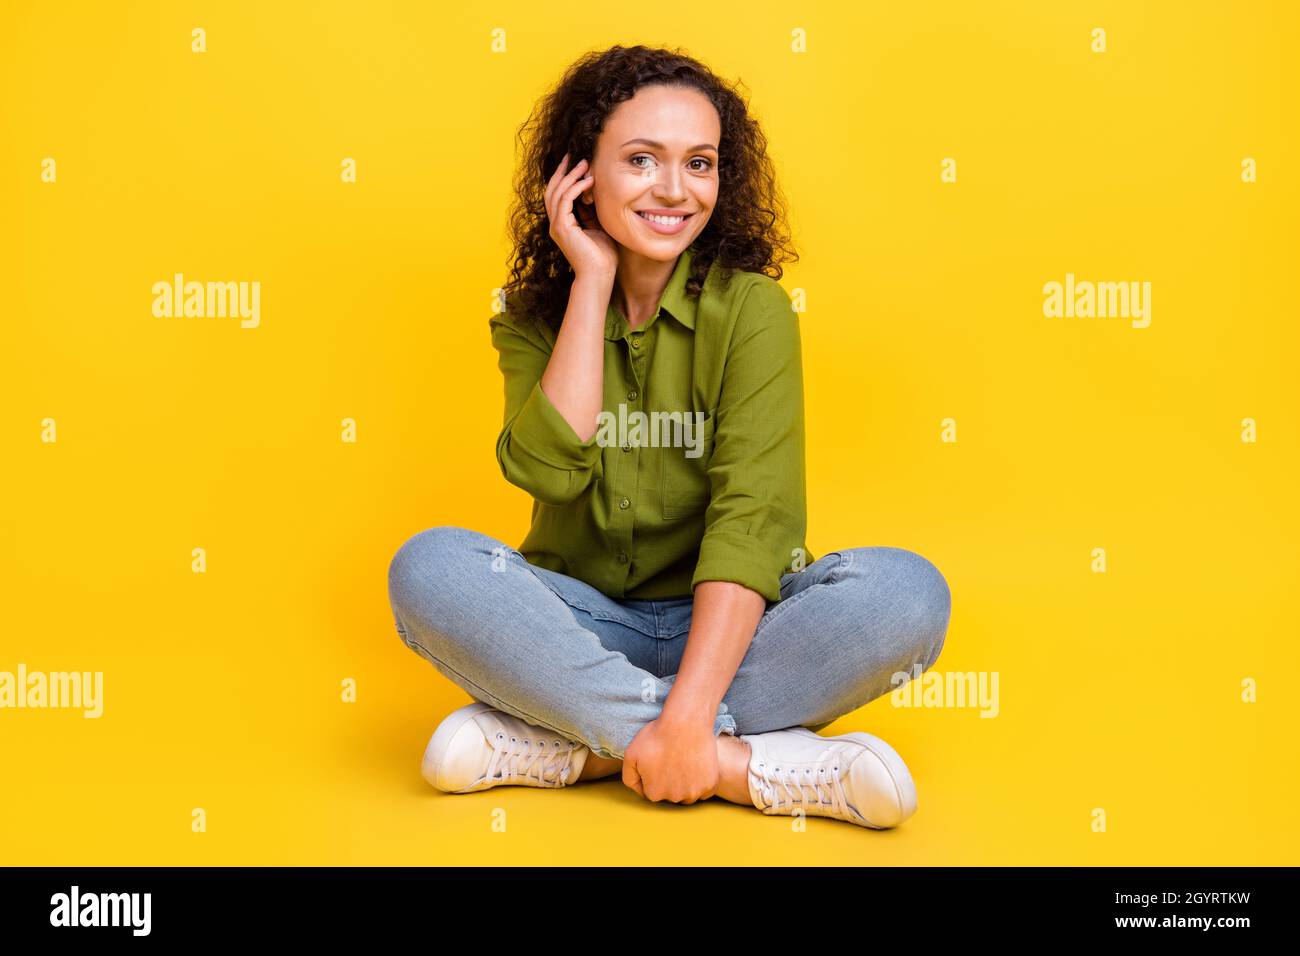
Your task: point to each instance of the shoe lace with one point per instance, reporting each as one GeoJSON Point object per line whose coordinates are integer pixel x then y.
{"type": "Point", "coordinates": [817, 782]}
{"type": "Point", "coordinates": [516, 760]}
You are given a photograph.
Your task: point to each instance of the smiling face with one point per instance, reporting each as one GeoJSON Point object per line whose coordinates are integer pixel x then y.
{"type": "Point", "coordinates": [655, 170]}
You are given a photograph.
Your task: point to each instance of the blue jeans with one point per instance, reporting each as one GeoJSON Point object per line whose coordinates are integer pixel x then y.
{"type": "Point", "coordinates": [557, 653]}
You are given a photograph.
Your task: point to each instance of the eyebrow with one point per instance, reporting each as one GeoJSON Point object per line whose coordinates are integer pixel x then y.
{"type": "Point", "coordinates": [650, 142]}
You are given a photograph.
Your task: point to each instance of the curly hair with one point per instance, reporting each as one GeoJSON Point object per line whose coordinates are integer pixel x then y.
{"type": "Point", "coordinates": [747, 230]}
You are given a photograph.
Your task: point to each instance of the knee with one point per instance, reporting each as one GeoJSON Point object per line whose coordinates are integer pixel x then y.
{"type": "Point", "coordinates": [917, 589]}
{"type": "Point", "coordinates": [432, 558]}
{"type": "Point", "coordinates": [931, 603]}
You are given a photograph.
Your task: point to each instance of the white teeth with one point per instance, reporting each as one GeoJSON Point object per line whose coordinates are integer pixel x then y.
{"type": "Point", "coordinates": [662, 220]}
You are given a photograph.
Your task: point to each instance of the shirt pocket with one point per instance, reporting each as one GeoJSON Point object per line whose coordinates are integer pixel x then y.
{"type": "Point", "coordinates": [685, 480]}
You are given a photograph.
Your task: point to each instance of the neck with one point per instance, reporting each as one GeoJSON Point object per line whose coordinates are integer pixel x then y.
{"type": "Point", "coordinates": [640, 285]}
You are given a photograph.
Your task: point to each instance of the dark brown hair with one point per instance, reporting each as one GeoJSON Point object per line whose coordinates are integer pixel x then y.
{"type": "Point", "coordinates": [747, 230]}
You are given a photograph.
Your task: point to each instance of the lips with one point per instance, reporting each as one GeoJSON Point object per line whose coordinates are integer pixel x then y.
{"type": "Point", "coordinates": [664, 228]}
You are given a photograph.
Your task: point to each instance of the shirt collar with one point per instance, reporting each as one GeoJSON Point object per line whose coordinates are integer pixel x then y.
{"type": "Point", "coordinates": [674, 302]}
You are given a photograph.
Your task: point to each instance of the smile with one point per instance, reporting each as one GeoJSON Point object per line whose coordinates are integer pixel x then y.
{"type": "Point", "coordinates": [665, 225]}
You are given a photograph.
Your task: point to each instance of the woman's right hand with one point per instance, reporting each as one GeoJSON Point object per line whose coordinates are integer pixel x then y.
{"type": "Point", "coordinates": [591, 252]}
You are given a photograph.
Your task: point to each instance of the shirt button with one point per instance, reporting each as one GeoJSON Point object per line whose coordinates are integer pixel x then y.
{"type": "Point", "coordinates": [622, 558]}
{"type": "Point", "coordinates": [623, 503]}
{"type": "Point", "coordinates": [627, 447]}
{"type": "Point", "coordinates": [636, 343]}
{"type": "Point", "coordinates": [631, 396]}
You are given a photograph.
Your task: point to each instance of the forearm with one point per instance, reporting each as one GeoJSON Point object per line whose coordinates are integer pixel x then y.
{"type": "Point", "coordinates": [574, 376]}
{"type": "Point", "coordinates": [724, 618]}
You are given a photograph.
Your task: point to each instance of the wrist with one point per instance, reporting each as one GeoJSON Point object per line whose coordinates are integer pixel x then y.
{"type": "Point", "coordinates": [688, 712]}
{"type": "Point", "coordinates": [598, 285]}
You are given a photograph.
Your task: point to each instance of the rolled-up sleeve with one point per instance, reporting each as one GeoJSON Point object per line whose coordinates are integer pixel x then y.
{"type": "Point", "coordinates": [537, 449]}
{"type": "Point", "coordinates": [757, 514]}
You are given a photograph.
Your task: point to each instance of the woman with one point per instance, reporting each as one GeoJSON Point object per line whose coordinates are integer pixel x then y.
{"type": "Point", "coordinates": [663, 618]}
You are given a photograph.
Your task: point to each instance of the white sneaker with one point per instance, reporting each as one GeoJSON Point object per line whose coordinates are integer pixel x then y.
{"type": "Point", "coordinates": [854, 777]}
{"type": "Point", "coordinates": [477, 747]}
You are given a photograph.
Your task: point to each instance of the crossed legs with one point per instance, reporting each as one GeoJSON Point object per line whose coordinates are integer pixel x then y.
{"type": "Point", "coordinates": [846, 626]}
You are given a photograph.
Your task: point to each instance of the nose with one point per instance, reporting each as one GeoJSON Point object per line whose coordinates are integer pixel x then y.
{"type": "Point", "coordinates": [668, 185]}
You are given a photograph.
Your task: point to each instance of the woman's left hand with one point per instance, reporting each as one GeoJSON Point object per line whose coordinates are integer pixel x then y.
{"type": "Point", "coordinates": [675, 760]}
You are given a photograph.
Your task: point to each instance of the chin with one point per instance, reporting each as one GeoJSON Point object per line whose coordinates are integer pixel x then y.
{"type": "Point", "coordinates": [665, 250]}
{"type": "Point", "coordinates": [661, 253]}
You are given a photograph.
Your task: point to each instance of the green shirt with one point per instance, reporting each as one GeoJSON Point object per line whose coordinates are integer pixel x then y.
{"type": "Point", "coordinates": [652, 512]}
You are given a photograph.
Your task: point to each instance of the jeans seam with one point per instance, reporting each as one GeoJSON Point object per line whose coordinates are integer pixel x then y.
{"type": "Point", "coordinates": [846, 559]}
{"type": "Point", "coordinates": [572, 603]}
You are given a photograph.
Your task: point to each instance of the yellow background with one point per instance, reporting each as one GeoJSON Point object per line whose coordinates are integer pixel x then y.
{"type": "Point", "coordinates": [1118, 691]}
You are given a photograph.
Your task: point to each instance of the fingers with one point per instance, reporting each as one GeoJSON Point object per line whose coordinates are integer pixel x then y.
{"type": "Point", "coordinates": [681, 799]}
{"type": "Point", "coordinates": [567, 203]}
{"type": "Point", "coordinates": [564, 213]}
{"type": "Point", "coordinates": [554, 180]}
{"type": "Point", "coordinates": [559, 185]}
{"type": "Point", "coordinates": [583, 183]}
{"type": "Point", "coordinates": [688, 799]}
{"type": "Point", "coordinates": [631, 778]}
{"type": "Point", "coordinates": [633, 781]}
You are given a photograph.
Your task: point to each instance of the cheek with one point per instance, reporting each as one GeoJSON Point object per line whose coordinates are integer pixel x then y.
{"type": "Point", "coordinates": [615, 212]}
{"type": "Point", "coordinates": [619, 190]}
{"type": "Point", "coordinates": [610, 212]}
